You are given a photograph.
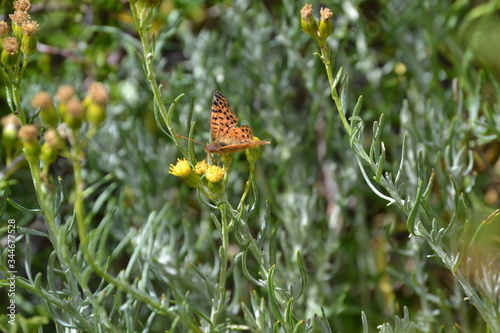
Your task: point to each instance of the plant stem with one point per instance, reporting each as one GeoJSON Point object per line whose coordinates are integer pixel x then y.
{"type": "Point", "coordinates": [220, 299]}
{"type": "Point", "coordinates": [325, 58]}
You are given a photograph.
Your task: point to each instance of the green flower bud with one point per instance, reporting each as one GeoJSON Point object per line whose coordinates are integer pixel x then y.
{"type": "Point", "coordinates": [325, 27]}
{"type": "Point", "coordinates": [253, 153]}
{"type": "Point", "coordinates": [75, 114]}
{"type": "Point", "coordinates": [28, 45]}
{"type": "Point", "coordinates": [10, 126]}
{"type": "Point", "coordinates": [10, 54]}
{"type": "Point", "coordinates": [307, 21]}
{"type": "Point", "coordinates": [48, 114]}
{"type": "Point", "coordinates": [51, 147]}
{"type": "Point", "coordinates": [95, 114]}
{"type": "Point", "coordinates": [29, 136]}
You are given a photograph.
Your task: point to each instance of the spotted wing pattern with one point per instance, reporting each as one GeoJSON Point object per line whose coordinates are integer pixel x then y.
{"type": "Point", "coordinates": [222, 119]}
{"type": "Point", "coordinates": [226, 137]}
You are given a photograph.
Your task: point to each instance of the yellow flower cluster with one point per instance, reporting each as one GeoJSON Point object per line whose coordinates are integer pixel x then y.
{"type": "Point", "coordinates": [191, 176]}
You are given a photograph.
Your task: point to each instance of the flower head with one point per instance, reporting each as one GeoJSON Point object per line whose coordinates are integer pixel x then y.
{"type": "Point", "coordinates": [11, 45]}
{"type": "Point", "coordinates": [29, 133]}
{"type": "Point", "coordinates": [4, 29]}
{"type": "Point", "coordinates": [307, 21]}
{"type": "Point", "coordinates": [201, 167]}
{"type": "Point", "coordinates": [75, 114]}
{"type": "Point", "coordinates": [48, 114]}
{"type": "Point", "coordinates": [325, 28]}
{"type": "Point", "coordinates": [98, 93]}
{"type": "Point", "coordinates": [214, 174]}
{"type": "Point", "coordinates": [10, 54]}
{"type": "Point", "coordinates": [22, 5]}
{"type": "Point", "coordinates": [10, 125]}
{"type": "Point", "coordinates": [95, 103]}
{"type": "Point", "coordinates": [65, 93]}
{"type": "Point", "coordinates": [183, 169]}
{"type": "Point", "coordinates": [10, 121]}
{"type": "Point", "coordinates": [50, 148]}
{"type": "Point", "coordinates": [19, 17]}
{"type": "Point", "coordinates": [30, 28]}
{"type": "Point", "coordinates": [29, 136]}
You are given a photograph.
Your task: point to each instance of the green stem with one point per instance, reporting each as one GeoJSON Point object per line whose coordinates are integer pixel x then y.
{"type": "Point", "coordinates": [148, 56]}
{"type": "Point", "coordinates": [14, 88]}
{"type": "Point", "coordinates": [220, 300]}
{"type": "Point", "coordinates": [325, 58]}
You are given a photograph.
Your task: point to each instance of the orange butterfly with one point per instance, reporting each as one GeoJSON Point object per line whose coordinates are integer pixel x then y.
{"type": "Point", "coordinates": [226, 137]}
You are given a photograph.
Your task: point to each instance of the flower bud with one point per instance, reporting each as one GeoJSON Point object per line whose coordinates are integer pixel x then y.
{"type": "Point", "coordinates": [325, 28]}
{"type": "Point", "coordinates": [48, 113]}
{"type": "Point", "coordinates": [253, 153]}
{"type": "Point", "coordinates": [10, 54]}
{"type": "Point", "coordinates": [28, 41]}
{"type": "Point", "coordinates": [95, 114]}
{"type": "Point", "coordinates": [18, 18]}
{"type": "Point", "coordinates": [4, 30]}
{"type": "Point", "coordinates": [29, 136]}
{"type": "Point", "coordinates": [307, 21]}
{"type": "Point", "coordinates": [28, 45]}
{"type": "Point", "coordinates": [75, 114]}
{"type": "Point", "coordinates": [10, 126]}
{"type": "Point", "coordinates": [22, 5]}
{"type": "Point", "coordinates": [64, 95]}
{"type": "Point", "coordinates": [95, 103]}
{"type": "Point", "coordinates": [50, 148]}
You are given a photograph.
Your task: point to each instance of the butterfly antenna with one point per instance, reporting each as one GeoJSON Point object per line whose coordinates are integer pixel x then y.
{"type": "Point", "coordinates": [180, 136]}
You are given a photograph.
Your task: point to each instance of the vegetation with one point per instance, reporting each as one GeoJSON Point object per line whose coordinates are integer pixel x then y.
{"type": "Point", "coordinates": [373, 209]}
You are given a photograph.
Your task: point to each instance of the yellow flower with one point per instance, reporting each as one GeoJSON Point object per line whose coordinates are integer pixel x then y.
{"type": "Point", "coordinates": [201, 167]}
{"type": "Point", "coordinates": [214, 174]}
{"type": "Point", "coordinates": [183, 169]}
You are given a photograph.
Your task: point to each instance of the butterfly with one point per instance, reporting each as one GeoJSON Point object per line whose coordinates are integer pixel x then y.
{"type": "Point", "coordinates": [226, 137]}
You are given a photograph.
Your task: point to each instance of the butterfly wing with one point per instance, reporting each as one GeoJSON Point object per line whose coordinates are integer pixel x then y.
{"type": "Point", "coordinates": [222, 119]}
{"type": "Point", "coordinates": [238, 138]}
{"type": "Point", "coordinates": [226, 137]}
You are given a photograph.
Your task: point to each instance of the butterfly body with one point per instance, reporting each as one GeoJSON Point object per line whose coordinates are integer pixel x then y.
{"type": "Point", "coordinates": [226, 136]}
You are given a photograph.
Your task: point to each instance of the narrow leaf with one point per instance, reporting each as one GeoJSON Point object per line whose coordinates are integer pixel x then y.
{"type": "Point", "coordinates": [272, 296]}
{"type": "Point", "coordinates": [21, 208]}
{"type": "Point", "coordinates": [303, 274]}
{"type": "Point", "coordinates": [274, 243]}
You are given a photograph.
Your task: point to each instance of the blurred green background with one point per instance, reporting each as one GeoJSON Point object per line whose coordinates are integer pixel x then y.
{"type": "Point", "coordinates": [407, 58]}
